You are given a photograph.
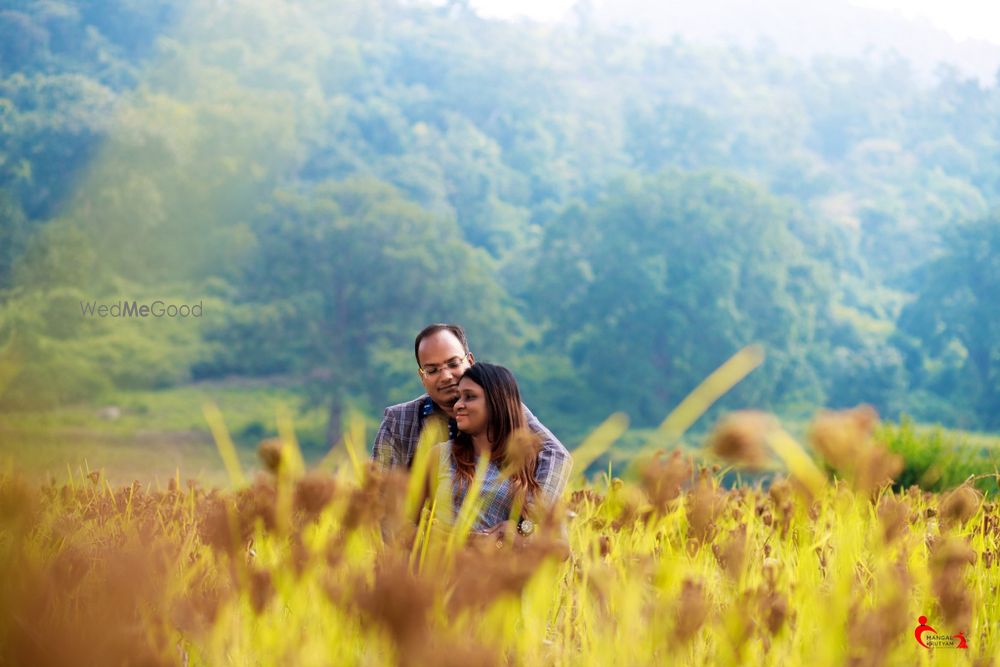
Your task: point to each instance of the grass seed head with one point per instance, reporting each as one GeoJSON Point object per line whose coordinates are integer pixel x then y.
{"type": "Point", "coordinates": [960, 505]}
{"type": "Point", "coordinates": [261, 589]}
{"type": "Point", "coordinates": [893, 516]}
{"type": "Point", "coordinates": [269, 452]}
{"type": "Point", "coordinates": [662, 477]}
{"type": "Point", "coordinates": [771, 608]}
{"type": "Point", "coordinates": [582, 497]}
{"type": "Point", "coordinates": [874, 632]}
{"type": "Point", "coordinates": [878, 467]}
{"type": "Point", "coordinates": [732, 555]}
{"type": "Point", "coordinates": [780, 491]}
{"type": "Point", "coordinates": [692, 610]}
{"type": "Point", "coordinates": [954, 598]}
{"type": "Point", "coordinates": [704, 505]}
{"type": "Point", "coordinates": [213, 524]}
{"type": "Point", "coordinates": [258, 501]}
{"type": "Point", "coordinates": [771, 568]}
{"type": "Point", "coordinates": [481, 575]}
{"type": "Point", "coordinates": [951, 552]}
{"type": "Point", "coordinates": [379, 499]}
{"type": "Point", "coordinates": [949, 558]}
{"type": "Point", "coordinates": [313, 492]}
{"type": "Point", "coordinates": [522, 449]}
{"type": "Point", "coordinates": [398, 600]}
{"type": "Point", "coordinates": [742, 436]}
{"type": "Point", "coordinates": [300, 555]}
{"type": "Point", "coordinates": [463, 652]}
{"type": "Point", "coordinates": [840, 436]}
{"type": "Point", "coordinates": [775, 611]}
{"type": "Point", "coordinates": [603, 543]}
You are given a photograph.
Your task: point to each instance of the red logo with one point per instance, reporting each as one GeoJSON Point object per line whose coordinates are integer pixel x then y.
{"type": "Point", "coordinates": [928, 637]}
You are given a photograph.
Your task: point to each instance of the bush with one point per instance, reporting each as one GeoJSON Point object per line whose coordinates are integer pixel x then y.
{"type": "Point", "coordinates": [936, 459]}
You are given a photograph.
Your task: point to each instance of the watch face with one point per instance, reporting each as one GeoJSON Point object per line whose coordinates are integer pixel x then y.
{"type": "Point", "coordinates": [525, 527]}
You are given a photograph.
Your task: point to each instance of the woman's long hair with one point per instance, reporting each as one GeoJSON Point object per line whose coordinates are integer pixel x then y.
{"type": "Point", "coordinates": [514, 447]}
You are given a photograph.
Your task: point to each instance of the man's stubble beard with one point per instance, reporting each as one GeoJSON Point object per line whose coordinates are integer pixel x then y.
{"type": "Point", "coordinates": [448, 404]}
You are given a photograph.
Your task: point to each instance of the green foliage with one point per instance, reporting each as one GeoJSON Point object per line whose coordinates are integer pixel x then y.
{"type": "Point", "coordinates": [13, 236]}
{"type": "Point", "coordinates": [50, 127]}
{"type": "Point", "coordinates": [664, 277]}
{"type": "Point", "coordinates": [609, 216]}
{"type": "Point", "coordinates": [347, 272]}
{"type": "Point", "coordinates": [955, 319]}
{"type": "Point", "coordinates": [59, 355]}
{"type": "Point", "coordinates": [937, 460]}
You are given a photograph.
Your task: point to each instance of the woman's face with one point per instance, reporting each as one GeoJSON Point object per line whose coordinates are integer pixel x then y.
{"type": "Point", "coordinates": [470, 410]}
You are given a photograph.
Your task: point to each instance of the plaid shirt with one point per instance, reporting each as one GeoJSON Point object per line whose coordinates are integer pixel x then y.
{"type": "Point", "coordinates": [399, 432]}
{"type": "Point", "coordinates": [498, 493]}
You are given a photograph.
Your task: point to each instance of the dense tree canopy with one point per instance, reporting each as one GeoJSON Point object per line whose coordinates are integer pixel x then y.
{"type": "Point", "coordinates": [611, 217]}
{"type": "Point", "coordinates": [953, 324]}
{"type": "Point", "coordinates": [660, 280]}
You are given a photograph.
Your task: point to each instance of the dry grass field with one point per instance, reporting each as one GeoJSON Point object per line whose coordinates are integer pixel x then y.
{"type": "Point", "coordinates": [824, 565]}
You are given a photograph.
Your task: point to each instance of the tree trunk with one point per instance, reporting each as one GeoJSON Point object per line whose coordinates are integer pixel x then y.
{"type": "Point", "coordinates": [335, 421]}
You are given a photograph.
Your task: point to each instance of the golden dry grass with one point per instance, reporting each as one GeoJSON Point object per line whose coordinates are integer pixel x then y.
{"type": "Point", "coordinates": [321, 568]}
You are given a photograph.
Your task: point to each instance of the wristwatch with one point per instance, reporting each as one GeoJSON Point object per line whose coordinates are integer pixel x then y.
{"type": "Point", "coordinates": [525, 527]}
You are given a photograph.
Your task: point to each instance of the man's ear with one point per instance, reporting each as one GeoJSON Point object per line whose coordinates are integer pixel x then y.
{"type": "Point", "coordinates": [472, 358]}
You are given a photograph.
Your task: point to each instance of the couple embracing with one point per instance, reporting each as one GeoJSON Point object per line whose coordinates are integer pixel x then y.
{"type": "Point", "coordinates": [474, 409]}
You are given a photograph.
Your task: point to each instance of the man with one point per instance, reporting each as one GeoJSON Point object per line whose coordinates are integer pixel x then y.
{"type": "Point", "coordinates": [443, 355]}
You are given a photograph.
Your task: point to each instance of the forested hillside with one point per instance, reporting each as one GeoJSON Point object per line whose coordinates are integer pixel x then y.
{"type": "Point", "coordinates": [609, 216]}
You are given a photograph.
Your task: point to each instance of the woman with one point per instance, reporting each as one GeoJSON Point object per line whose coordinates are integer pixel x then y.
{"type": "Point", "coordinates": [491, 423]}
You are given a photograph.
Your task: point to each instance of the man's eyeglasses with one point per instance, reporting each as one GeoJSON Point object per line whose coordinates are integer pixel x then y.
{"type": "Point", "coordinates": [453, 364]}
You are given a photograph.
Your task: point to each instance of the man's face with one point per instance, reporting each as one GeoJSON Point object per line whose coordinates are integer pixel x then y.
{"type": "Point", "coordinates": [442, 363]}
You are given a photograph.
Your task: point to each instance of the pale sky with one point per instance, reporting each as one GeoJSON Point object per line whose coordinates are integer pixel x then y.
{"type": "Point", "coordinates": [963, 19]}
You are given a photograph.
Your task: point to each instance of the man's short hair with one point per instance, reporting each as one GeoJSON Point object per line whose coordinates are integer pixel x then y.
{"type": "Point", "coordinates": [431, 329]}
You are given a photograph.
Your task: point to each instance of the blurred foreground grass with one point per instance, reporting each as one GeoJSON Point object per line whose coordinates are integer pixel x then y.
{"type": "Point", "coordinates": [813, 559]}
{"type": "Point", "coordinates": [663, 567]}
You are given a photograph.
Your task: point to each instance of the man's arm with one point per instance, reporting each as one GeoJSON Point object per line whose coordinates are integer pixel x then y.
{"type": "Point", "coordinates": [554, 460]}
{"type": "Point", "coordinates": [387, 451]}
